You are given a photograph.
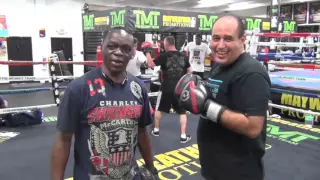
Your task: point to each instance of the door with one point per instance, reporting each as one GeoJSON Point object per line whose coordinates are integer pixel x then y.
{"type": "Point", "coordinates": [65, 45]}
{"type": "Point", "coordinates": [20, 49]}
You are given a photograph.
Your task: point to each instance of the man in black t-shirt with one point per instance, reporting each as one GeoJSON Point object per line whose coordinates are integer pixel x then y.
{"type": "Point", "coordinates": [174, 65]}
{"type": "Point", "coordinates": [107, 111]}
{"type": "Point", "coordinates": [233, 106]}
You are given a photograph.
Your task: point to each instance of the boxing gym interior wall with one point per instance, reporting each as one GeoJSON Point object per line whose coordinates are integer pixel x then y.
{"type": "Point", "coordinates": [61, 29]}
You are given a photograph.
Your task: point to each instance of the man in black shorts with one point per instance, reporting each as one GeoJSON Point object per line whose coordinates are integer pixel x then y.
{"type": "Point", "coordinates": [174, 65]}
{"type": "Point", "coordinates": [107, 111]}
{"type": "Point", "coordinates": [233, 105]}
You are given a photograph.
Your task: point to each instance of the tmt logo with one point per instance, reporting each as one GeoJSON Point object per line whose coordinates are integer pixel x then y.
{"type": "Point", "coordinates": [205, 23]}
{"type": "Point", "coordinates": [88, 22]}
{"type": "Point", "coordinates": [117, 18]}
{"type": "Point", "coordinates": [149, 21]}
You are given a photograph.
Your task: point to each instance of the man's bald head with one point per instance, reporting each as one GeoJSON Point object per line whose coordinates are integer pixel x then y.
{"type": "Point", "coordinates": [227, 39]}
{"type": "Point", "coordinates": [238, 20]}
{"type": "Point", "coordinates": [119, 30]}
{"type": "Point", "coordinates": [117, 50]}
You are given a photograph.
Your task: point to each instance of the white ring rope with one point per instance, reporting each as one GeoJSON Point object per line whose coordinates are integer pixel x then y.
{"type": "Point", "coordinates": [24, 109]}
{"type": "Point", "coordinates": [32, 78]}
{"type": "Point", "coordinates": [294, 109]}
{"type": "Point", "coordinates": [287, 44]}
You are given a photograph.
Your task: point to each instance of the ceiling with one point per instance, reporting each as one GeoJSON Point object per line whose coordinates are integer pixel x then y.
{"type": "Point", "coordinates": [238, 7]}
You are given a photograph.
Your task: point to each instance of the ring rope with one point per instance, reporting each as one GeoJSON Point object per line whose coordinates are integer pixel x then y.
{"type": "Point", "coordinates": [295, 65]}
{"type": "Point", "coordinates": [25, 63]}
{"type": "Point", "coordinates": [32, 78]}
{"type": "Point", "coordinates": [283, 34]}
{"type": "Point", "coordinates": [294, 109]}
{"type": "Point", "coordinates": [24, 109]}
{"type": "Point", "coordinates": [290, 69]}
{"type": "Point", "coordinates": [286, 44]}
{"type": "Point", "coordinates": [289, 61]}
{"type": "Point", "coordinates": [30, 90]}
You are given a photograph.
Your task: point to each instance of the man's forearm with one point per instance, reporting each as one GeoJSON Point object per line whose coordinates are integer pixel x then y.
{"type": "Point", "coordinates": [59, 159]}
{"type": "Point", "coordinates": [237, 122]}
{"type": "Point", "coordinates": [150, 61]}
{"type": "Point", "coordinates": [145, 147]}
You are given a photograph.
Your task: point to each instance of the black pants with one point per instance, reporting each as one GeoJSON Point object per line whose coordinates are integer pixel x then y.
{"type": "Point", "coordinates": [166, 100]}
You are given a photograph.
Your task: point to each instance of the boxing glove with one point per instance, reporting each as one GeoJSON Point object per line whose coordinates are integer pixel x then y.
{"type": "Point", "coordinates": [195, 98]}
{"type": "Point", "coordinates": [147, 47]}
{"type": "Point", "coordinates": [184, 80]}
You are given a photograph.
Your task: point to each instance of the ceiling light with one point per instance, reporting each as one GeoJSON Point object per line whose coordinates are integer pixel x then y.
{"type": "Point", "coordinates": [243, 5]}
{"type": "Point", "coordinates": [212, 3]}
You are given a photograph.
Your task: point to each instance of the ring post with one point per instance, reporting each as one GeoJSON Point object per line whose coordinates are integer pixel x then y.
{"type": "Point", "coordinates": [54, 83]}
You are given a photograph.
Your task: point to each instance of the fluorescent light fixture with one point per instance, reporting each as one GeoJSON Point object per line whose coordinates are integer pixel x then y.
{"type": "Point", "coordinates": [260, 16]}
{"type": "Point", "coordinates": [212, 3]}
{"type": "Point", "coordinates": [243, 5]}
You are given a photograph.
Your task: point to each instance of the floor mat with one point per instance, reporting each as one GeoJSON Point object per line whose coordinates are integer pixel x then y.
{"type": "Point", "coordinates": [292, 152]}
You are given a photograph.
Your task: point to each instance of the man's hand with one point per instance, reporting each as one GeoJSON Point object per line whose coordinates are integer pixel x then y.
{"type": "Point", "coordinates": [149, 173]}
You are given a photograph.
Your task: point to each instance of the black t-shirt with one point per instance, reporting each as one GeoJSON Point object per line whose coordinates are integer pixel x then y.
{"type": "Point", "coordinates": [171, 62]}
{"type": "Point", "coordinates": [105, 118]}
{"type": "Point", "coordinates": [242, 87]}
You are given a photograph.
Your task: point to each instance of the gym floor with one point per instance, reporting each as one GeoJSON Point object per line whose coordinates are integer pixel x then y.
{"type": "Point", "coordinates": [293, 153]}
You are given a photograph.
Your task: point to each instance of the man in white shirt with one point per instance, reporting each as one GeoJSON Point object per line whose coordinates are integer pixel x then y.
{"type": "Point", "coordinates": [134, 64]}
{"type": "Point", "coordinates": [197, 55]}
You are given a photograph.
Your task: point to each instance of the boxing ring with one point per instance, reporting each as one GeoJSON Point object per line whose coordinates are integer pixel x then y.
{"type": "Point", "coordinates": [295, 76]}
{"type": "Point", "coordinates": [299, 89]}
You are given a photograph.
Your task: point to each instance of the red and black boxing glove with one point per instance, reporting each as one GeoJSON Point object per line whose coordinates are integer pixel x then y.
{"type": "Point", "coordinates": [184, 80]}
{"type": "Point", "coordinates": [195, 98]}
{"type": "Point", "coordinates": [147, 47]}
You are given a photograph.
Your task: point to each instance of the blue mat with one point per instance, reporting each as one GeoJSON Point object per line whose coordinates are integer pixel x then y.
{"type": "Point", "coordinates": [306, 85]}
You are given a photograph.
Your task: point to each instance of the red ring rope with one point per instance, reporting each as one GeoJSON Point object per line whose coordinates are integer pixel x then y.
{"type": "Point", "coordinates": [296, 35]}
{"type": "Point", "coordinates": [305, 66]}
{"type": "Point", "coordinates": [30, 63]}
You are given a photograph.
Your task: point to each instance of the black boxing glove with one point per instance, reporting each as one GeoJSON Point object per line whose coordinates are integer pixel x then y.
{"type": "Point", "coordinates": [184, 80]}
{"type": "Point", "coordinates": [195, 98]}
{"type": "Point", "coordinates": [147, 47]}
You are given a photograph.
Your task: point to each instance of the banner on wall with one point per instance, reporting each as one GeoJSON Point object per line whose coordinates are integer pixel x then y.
{"type": "Point", "coordinates": [314, 12]}
{"type": "Point", "coordinates": [3, 26]}
{"type": "Point", "coordinates": [155, 20]}
{"type": "Point", "coordinates": [300, 13]}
